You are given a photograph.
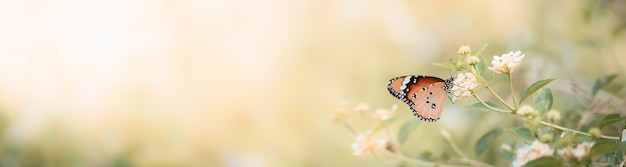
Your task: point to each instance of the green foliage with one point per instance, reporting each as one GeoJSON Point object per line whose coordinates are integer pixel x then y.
{"type": "Point", "coordinates": [534, 87]}
{"type": "Point", "coordinates": [543, 100]}
{"type": "Point", "coordinates": [486, 139]}
{"type": "Point", "coordinates": [450, 65]}
{"type": "Point", "coordinates": [481, 107]}
{"type": "Point", "coordinates": [602, 82]}
{"type": "Point", "coordinates": [481, 66]}
{"type": "Point", "coordinates": [610, 119]}
{"type": "Point", "coordinates": [543, 161]}
{"type": "Point", "coordinates": [479, 49]}
{"type": "Point", "coordinates": [523, 133]}
{"type": "Point", "coordinates": [606, 147]}
{"type": "Point", "coordinates": [406, 129]}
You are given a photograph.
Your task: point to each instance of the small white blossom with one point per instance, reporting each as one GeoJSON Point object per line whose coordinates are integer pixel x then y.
{"type": "Point", "coordinates": [365, 143]}
{"type": "Point", "coordinates": [473, 60]}
{"type": "Point", "coordinates": [554, 115]}
{"type": "Point", "coordinates": [507, 62]}
{"type": "Point", "coordinates": [464, 86]}
{"type": "Point", "coordinates": [525, 110]}
{"type": "Point", "coordinates": [361, 107]}
{"type": "Point", "coordinates": [384, 114]}
{"type": "Point", "coordinates": [577, 153]}
{"type": "Point", "coordinates": [531, 152]}
{"type": "Point", "coordinates": [463, 50]}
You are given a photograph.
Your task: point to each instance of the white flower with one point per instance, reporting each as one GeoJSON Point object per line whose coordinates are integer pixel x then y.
{"type": "Point", "coordinates": [554, 115]}
{"type": "Point", "coordinates": [365, 143]}
{"type": "Point", "coordinates": [578, 153]}
{"type": "Point", "coordinates": [507, 62]}
{"type": "Point", "coordinates": [526, 110]}
{"type": "Point", "coordinates": [531, 152]}
{"type": "Point", "coordinates": [464, 86]}
{"type": "Point", "coordinates": [384, 114]}
{"type": "Point", "coordinates": [361, 107]}
{"type": "Point", "coordinates": [463, 50]}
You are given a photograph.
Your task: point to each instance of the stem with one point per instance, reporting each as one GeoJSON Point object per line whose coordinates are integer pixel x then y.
{"type": "Point", "coordinates": [456, 149]}
{"type": "Point", "coordinates": [499, 98]}
{"type": "Point", "coordinates": [575, 131]}
{"type": "Point", "coordinates": [351, 127]}
{"type": "Point", "coordinates": [511, 86]}
{"type": "Point", "coordinates": [470, 162]}
{"type": "Point", "coordinates": [417, 161]}
{"type": "Point", "coordinates": [488, 106]}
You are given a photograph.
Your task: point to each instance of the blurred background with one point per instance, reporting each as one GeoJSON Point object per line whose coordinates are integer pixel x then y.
{"type": "Point", "coordinates": [254, 83]}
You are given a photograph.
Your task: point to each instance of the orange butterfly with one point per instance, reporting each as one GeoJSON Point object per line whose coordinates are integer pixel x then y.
{"type": "Point", "coordinates": [425, 95]}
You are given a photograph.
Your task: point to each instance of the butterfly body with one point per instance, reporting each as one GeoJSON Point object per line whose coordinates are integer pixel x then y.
{"type": "Point", "coordinates": [425, 95]}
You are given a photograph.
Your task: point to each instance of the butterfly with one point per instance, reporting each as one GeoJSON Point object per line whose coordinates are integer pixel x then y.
{"type": "Point", "coordinates": [425, 95]}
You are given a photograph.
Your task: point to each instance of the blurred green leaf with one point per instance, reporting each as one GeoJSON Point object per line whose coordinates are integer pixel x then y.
{"type": "Point", "coordinates": [543, 161]}
{"type": "Point", "coordinates": [506, 154]}
{"type": "Point", "coordinates": [484, 141]}
{"type": "Point", "coordinates": [450, 65]}
{"type": "Point", "coordinates": [610, 119]}
{"type": "Point", "coordinates": [479, 49]}
{"type": "Point", "coordinates": [523, 133]}
{"type": "Point", "coordinates": [426, 156]}
{"type": "Point", "coordinates": [481, 107]}
{"type": "Point", "coordinates": [481, 66]}
{"type": "Point", "coordinates": [543, 100]}
{"type": "Point", "coordinates": [605, 147]}
{"type": "Point", "coordinates": [618, 30]}
{"type": "Point", "coordinates": [602, 82]}
{"type": "Point", "coordinates": [383, 124]}
{"type": "Point", "coordinates": [406, 129]}
{"type": "Point", "coordinates": [534, 87]}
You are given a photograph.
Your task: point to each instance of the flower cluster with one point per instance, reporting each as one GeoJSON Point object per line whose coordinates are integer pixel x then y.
{"type": "Point", "coordinates": [361, 108]}
{"type": "Point", "coordinates": [384, 114]}
{"type": "Point", "coordinates": [464, 86]}
{"type": "Point", "coordinates": [571, 153]}
{"type": "Point", "coordinates": [531, 152]}
{"type": "Point", "coordinates": [507, 62]}
{"type": "Point", "coordinates": [526, 110]}
{"type": "Point", "coordinates": [365, 143]}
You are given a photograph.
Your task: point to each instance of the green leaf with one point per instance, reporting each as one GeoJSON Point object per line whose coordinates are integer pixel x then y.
{"type": "Point", "coordinates": [602, 82]}
{"type": "Point", "coordinates": [484, 141]}
{"type": "Point", "coordinates": [543, 161]}
{"type": "Point", "coordinates": [406, 129]}
{"type": "Point", "coordinates": [481, 66]}
{"type": "Point", "coordinates": [610, 119]}
{"type": "Point", "coordinates": [383, 124]}
{"type": "Point", "coordinates": [534, 87]}
{"type": "Point", "coordinates": [479, 49]}
{"type": "Point", "coordinates": [481, 107]}
{"type": "Point", "coordinates": [523, 133]}
{"type": "Point", "coordinates": [543, 100]}
{"type": "Point", "coordinates": [618, 30]}
{"type": "Point", "coordinates": [427, 156]}
{"type": "Point", "coordinates": [451, 65]}
{"type": "Point", "coordinates": [605, 147]}
{"type": "Point", "coordinates": [506, 154]}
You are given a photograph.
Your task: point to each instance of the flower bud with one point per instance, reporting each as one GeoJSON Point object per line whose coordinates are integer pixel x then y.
{"type": "Point", "coordinates": [526, 111]}
{"type": "Point", "coordinates": [463, 50]}
{"type": "Point", "coordinates": [445, 135]}
{"type": "Point", "coordinates": [595, 133]}
{"type": "Point", "coordinates": [554, 115]}
{"type": "Point", "coordinates": [506, 148]}
{"type": "Point", "coordinates": [546, 138]}
{"type": "Point", "coordinates": [473, 60]}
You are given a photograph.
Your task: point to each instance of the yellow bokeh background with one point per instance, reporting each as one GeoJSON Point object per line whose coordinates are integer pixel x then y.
{"type": "Point", "coordinates": [254, 83]}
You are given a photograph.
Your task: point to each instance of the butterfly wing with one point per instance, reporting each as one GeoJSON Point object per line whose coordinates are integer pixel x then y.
{"type": "Point", "coordinates": [416, 91]}
{"type": "Point", "coordinates": [428, 102]}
